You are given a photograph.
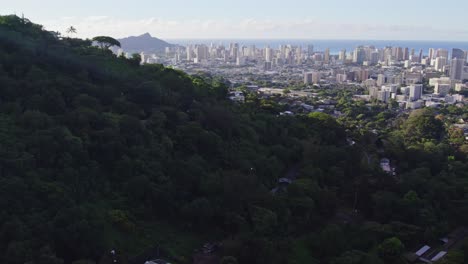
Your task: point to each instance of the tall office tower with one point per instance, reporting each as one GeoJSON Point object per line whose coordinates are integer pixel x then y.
{"type": "Point", "coordinates": [412, 52]}
{"type": "Point", "coordinates": [456, 69]}
{"type": "Point", "coordinates": [387, 54]}
{"type": "Point", "coordinates": [406, 54]}
{"type": "Point", "coordinates": [442, 53]}
{"type": "Point", "coordinates": [342, 55]}
{"type": "Point", "coordinates": [431, 53]}
{"type": "Point", "coordinates": [440, 62]}
{"type": "Point", "coordinates": [201, 52]}
{"type": "Point", "coordinates": [415, 91]}
{"type": "Point", "coordinates": [327, 55]}
{"type": "Point", "coordinates": [268, 54]}
{"type": "Point", "coordinates": [359, 55]}
{"type": "Point", "coordinates": [298, 55]}
{"type": "Point", "coordinates": [189, 52]}
{"type": "Point", "coordinates": [310, 50]}
{"type": "Point", "coordinates": [399, 53]}
{"type": "Point", "coordinates": [466, 55]}
{"type": "Point", "coordinates": [253, 51]}
{"type": "Point", "coordinates": [458, 54]}
{"type": "Point", "coordinates": [420, 55]}
{"type": "Point", "coordinates": [235, 50]}
{"type": "Point", "coordinates": [374, 57]}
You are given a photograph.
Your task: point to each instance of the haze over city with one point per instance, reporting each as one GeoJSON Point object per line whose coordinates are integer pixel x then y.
{"type": "Point", "coordinates": [297, 19]}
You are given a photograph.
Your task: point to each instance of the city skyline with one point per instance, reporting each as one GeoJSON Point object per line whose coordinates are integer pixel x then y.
{"type": "Point", "coordinates": [300, 19]}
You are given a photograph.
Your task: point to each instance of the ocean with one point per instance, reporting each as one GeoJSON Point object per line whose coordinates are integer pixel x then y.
{"type": "Point", "coordinates": [335, 46]}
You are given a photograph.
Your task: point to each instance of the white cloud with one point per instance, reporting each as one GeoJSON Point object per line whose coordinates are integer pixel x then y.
{"type": "Point", "coordinates": [308, 28]}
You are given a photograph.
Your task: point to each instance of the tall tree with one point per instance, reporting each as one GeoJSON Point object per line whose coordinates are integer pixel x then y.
{"type": "Point", "coordinates": [71, 30]}
{"type": "Point", "coordinates": [106, 42]}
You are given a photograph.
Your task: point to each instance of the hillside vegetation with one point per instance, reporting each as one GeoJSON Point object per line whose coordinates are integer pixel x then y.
{"type": "Point", "coordinates": [98, 152]}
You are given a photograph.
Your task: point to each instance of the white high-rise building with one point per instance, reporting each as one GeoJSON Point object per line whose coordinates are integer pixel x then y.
{"type": "Point", "coordinates": [415, 92]}
{"type": "Point", "coordinates": [440, 62]}
{"type": "Point", "coordinates": [189, 53]}
{"type": "Point", "coordinates": [312, 77]}
{"type": "Point", "coordinates": [268, 54]}
{"type": "Point", "coordinates": [442, 53]}
{"type": "Point", "coordinates": [342, 55]}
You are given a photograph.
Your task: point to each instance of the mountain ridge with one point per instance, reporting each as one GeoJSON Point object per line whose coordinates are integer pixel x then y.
{"type": "Point", "coordinates": [144, 43]}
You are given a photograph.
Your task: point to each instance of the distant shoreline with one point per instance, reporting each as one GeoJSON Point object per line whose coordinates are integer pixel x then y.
{"type": "Point", "coordinates": [335, 46]}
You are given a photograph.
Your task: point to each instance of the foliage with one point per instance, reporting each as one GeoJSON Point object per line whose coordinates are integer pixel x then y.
{"type": "Point", "coordinates": [99, 152]}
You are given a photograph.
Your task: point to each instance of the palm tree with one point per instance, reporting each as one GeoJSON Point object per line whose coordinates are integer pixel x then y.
{"type": "Point", "coordinates": [71, 30]}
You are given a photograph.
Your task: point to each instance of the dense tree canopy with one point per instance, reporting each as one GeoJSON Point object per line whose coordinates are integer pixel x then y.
{"type": "Point", "coordinates": [98, 153]}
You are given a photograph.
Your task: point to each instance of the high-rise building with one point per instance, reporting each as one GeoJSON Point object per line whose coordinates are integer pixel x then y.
{"type": "Point", "coordinates": [189, 53]}
{"type": "Point", "coordinates": [316, 76]}
{"type": "Point", "coordinates": [310, 50]}
{"type": "Point", "coordinates": [458, 54]}
{"type": "Point", "coordinates": [406, 54]}
{"type": "Point", "coordinates": [380, 80]}
{"type": "Point", "coordinates": [308, 78]}
{"type": "Point", "coordinates": [312, 77]}
{"type": "Point", "coordinates": [327, 55]}
{"type": "Point", "coordinates": [342, 55]}
{"type": "Point", "coordinates": [399, 53]}
{"type": "Point", "coordinates": [359, 55]}
{"type": "Point", "coordinates": [442, 53]}
{"type": "Point", "coordinates": [432, 53]}
{"type": "Point", "coordinates": [374, 57]}
{"type": "Point", "coordinates": [440, 62]}
{"type": "Point", "coordinates": [442, 89]}
{"type": "Point", "coordinates": [384, 96]}
{"type": "Point", "coordinates": [202, 52]}
{"type": "Point", "coordinates": [298, 55]}
{"type": "Point", "coordinates": [456, 69]}
{"type": "Point", "coordinates": [415, 92]}
{"type": "Point", "coordinates": [268, 54]}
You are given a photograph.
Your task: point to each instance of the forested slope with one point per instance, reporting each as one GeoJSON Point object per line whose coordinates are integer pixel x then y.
{"type": "Point", "coordinates": [98, 152]}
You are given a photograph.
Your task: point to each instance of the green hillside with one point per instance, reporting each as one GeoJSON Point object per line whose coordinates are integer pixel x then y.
{"type": "Point", "coordinates": [100, 153]}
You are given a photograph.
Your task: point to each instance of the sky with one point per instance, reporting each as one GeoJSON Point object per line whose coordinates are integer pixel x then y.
{"type": "Point", "coordinates": [251, 19]}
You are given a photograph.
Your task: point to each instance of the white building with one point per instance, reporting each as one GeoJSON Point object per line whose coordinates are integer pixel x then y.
{"type": "Point", "coordinates": [442, 89]}
{"type": "Point", "coordinates": [415, 92]}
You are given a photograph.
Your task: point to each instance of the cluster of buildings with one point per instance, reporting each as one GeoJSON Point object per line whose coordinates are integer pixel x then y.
{"type": "Point", "coordinates": [435, 252]}
{"type": "Point", "coordinates": [409, 77]}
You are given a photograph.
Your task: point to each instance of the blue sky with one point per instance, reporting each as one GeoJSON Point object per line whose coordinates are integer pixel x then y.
{"type": "Point", "coordinates": [302, 19]}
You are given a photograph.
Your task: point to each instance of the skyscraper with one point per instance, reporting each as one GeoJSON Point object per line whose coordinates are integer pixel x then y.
{"type": "Point", "coordinates": [442, 53]}
{"type": "Point", "coordinates": [268, 54]}
{"type": "Point", "coordinates": [359, 55]}
{"type": "Point", "coordinates": [440, 62]}
{"type": "Point", "coordinates": [310, 50]}
{"type": "Point", "coordinates": [431, 53]}
{"type": "Point", "coordinates": [406, 54]}
{"type": "Point", "coordinates": [342, 55]}
{"type": "Point", "coordinates": [456, 68]}
{"type": "Point", "coordinates": [458, 54]}
{"type": "Point", "coordinates": [327, 55]}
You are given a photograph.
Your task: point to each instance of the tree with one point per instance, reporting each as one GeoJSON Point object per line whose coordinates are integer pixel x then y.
{"type": "Point", "coordinates": [391, 249]}
{"type": "Point", "coordinates": [71, 30]}
{"type": "Point", "coordinates": [106, 42]}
